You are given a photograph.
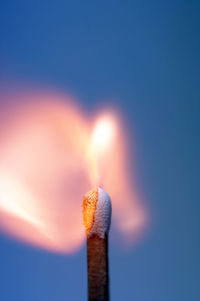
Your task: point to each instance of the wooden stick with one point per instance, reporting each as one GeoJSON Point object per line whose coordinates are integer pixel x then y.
{"type": "Point", "coordinates": [98, 270]}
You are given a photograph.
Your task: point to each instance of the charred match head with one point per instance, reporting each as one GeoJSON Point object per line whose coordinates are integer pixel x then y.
{"type": "Point", "coordinates": [97, 212]}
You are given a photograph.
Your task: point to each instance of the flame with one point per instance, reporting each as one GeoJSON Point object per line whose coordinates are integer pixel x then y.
{"type": "Point", "coordinates": [50, 156]}
{"type": "Point", "coordinates": [103, 134]}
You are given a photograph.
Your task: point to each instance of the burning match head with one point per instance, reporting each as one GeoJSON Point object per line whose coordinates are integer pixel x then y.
{"type": "Point", "coordinates": [97, 212]}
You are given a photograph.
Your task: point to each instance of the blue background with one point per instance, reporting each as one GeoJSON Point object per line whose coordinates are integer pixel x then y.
{"type": "Point", "coordinates": [144, 56]}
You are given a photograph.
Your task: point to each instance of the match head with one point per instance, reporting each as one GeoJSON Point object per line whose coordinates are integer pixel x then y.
{"type": "Point", "coordinates": [97, 212]}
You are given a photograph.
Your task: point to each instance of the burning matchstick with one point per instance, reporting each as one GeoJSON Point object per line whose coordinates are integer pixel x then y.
{"type": "Point", "coordinates": [42, 167]}
{"type": "Point", "coordinates": [97, 218]}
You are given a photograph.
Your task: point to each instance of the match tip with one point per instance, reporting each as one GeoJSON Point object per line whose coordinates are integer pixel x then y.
{"type": "Point", "coordinates": [97, 212]}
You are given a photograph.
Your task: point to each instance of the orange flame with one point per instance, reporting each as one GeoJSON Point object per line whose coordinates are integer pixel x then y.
{"type": "Point", "coordinates": [50, 156]}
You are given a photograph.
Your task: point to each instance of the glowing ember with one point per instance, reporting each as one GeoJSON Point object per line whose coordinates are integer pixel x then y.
{"type": "Point", "coordinates": [89, 208]}
{"type": "Point", "coordinates": [49, 157]}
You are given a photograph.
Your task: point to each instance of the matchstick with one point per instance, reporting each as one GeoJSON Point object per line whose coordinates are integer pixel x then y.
{"type": "Point", "coordinates": [97, 217]}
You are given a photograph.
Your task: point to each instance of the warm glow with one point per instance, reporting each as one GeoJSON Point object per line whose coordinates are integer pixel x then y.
{"type": "Point", "coordinates": [50, 156]}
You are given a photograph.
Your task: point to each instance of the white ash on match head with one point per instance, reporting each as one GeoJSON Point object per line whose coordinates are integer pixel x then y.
{"type": "Point", "coordinates": [97, 212]}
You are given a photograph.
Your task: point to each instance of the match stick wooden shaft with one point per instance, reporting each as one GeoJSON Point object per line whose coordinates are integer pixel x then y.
{"type": "Point", "coordinates": [98, 275]}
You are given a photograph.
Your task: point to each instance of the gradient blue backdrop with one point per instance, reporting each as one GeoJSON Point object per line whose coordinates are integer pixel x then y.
{"type": "Point", "coordinates": [144, 56]}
